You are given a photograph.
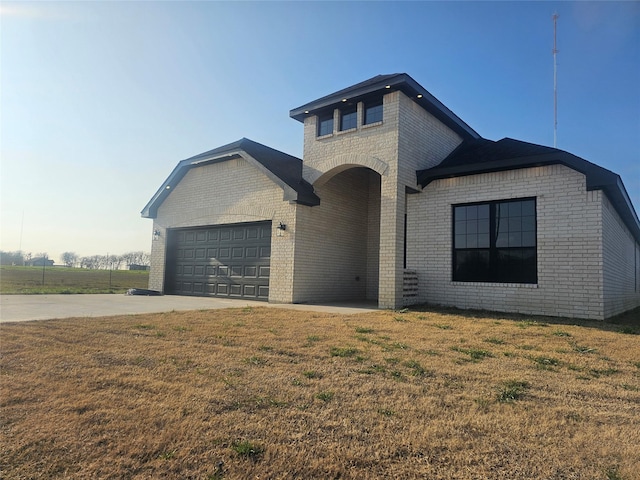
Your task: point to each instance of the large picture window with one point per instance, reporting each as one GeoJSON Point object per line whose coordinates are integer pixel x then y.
{"type": "Point", "coordinates": [495, 242]}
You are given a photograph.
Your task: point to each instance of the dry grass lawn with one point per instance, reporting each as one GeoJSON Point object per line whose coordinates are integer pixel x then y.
{"type": "Point", "coordinates": [284, 394]}
{"type": "Point", "coordinates": [28, 280]}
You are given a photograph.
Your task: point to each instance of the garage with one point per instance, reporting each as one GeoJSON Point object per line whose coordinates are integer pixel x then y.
{"type": "Point", "coordinates": [230, 261]}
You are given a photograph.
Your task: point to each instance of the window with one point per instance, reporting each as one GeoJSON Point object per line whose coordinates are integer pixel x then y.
{"type": "Point", "coordinates": [348, 118]}
{"type": "Point", "coordinates": [373, 112]}
{"type": "Point", "coordinates": [495, 242]}
{"type": "Point", "coordinates": [325, 124]}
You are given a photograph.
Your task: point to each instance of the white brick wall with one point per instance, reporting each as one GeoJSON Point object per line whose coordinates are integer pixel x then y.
{"type": "Point", "coordinates": [620, 262]}
{"type": "Point", "coordinates": [569, 237]}
{"type": "Point", "coordinates": [233, 191]}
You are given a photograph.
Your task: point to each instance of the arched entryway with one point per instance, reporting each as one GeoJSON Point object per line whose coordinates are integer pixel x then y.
{"type": "Point", "coordinates": [338, 241]}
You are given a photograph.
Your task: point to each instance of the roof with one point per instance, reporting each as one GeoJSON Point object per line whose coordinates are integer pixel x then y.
{"type": "Point", "coordinates": [384, 84]}
{"type": "Point", "coordinates": [283, 169]}
{"type": "Point", "coordinates": [484, 156]}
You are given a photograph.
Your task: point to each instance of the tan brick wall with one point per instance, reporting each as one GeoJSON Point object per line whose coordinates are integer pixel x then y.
{"type": "Point", "coordinates": [423, 141]}
{"type": "Point", "coordinates": [233, 191]}
{"type": "Point", "coordinates": [569, 237]}
{"type": "Point", "coordinates": [620, 263]}
{"type": "Point", "coordinates": [333, 246]}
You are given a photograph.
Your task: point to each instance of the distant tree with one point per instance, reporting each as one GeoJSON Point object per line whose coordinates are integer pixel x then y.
{"type": "Point", "coordinates": [137, 258]}
{"type": "Point", "coordinates": [88, 262]}
{"type": "Point", "coordinates": [115, 262]}
{"type": "Point", "coordinates": [11, 258]}
{"type": "Point", "coordinates": [69, 259]}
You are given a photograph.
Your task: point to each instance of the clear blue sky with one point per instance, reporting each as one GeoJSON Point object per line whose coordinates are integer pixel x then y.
{"type": "Point", "coordinates": [100, 100]}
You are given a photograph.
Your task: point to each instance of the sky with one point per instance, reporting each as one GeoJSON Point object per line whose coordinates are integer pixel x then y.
{"type": "Point", "coordinates": [100, 100]}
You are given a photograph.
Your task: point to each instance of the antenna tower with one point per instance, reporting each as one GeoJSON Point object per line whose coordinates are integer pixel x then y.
{"type": "Point", "coordinates": [555, 83]}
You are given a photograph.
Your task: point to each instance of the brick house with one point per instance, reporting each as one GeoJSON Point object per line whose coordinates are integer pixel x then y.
{"type": "Point", "coordinates": [397, 200]}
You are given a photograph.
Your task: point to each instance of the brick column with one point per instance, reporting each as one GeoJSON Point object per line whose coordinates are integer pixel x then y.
{"type": "Point", "coordinates": [158, 259]}
{"type": "Point", "coordinates": [391, 243]}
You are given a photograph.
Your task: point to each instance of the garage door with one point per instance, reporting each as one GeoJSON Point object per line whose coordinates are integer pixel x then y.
{"type": "Point", "coordinates": [222, 261]}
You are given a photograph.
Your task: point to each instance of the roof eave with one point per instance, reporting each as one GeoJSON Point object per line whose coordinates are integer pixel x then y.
{"type": "Point", "coordinates": [302, 194]}
{"type": "Point", "coordinates": [610, 182]}
{"type": "Point", "coordinates": [402, 82]}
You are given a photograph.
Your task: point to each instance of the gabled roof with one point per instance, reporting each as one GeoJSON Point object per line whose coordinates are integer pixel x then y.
{"type": "Point", "coordinates": [381, 84]}
{"type": "Point", "coordinates": [484, 156]}
{"type": "Point", "coordinates": [283, 169]}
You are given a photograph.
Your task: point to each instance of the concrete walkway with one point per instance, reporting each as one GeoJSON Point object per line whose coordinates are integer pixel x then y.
{"type": "Point", "coordinates": [20, 308]}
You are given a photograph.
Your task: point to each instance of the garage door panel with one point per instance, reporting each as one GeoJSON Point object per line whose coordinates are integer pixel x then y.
{"type": "Point", "coordinates": [226, 261]}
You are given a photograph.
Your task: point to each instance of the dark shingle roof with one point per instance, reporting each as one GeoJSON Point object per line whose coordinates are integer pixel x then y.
{"type": "Point", "coordinates": [284, 169]}
{"type": "Point", "coordinates": [484, 156]}
{"type": "Point", "coordinates": [383, 84]}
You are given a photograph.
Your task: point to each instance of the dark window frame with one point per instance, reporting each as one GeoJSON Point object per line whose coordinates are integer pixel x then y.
{"type": "Point", "coordinates": [325, 120]}
{"type": "Point", "coordinates": [373, 112]}
{"type": "Point", "coordinates": [498, 244]}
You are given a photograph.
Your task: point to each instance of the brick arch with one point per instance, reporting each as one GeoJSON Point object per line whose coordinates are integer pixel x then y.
{"type": "Point", "coordinates": [323, 171]}
{"type": "Point", "coordinates": [214, 216]}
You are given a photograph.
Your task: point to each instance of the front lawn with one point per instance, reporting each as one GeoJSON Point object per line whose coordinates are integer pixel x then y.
{"type": "Point", "coordinates": [284, 394]}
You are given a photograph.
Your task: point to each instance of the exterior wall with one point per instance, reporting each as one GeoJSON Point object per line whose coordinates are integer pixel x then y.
{"type": "Point", "coordinates": [407, 139]}
{"type": "Point", "coordinates": [423, 141]}
{"type": "Point", "coordinates": [233, 191]}
{"type": "Point", "coordinates": [569, 243]}
{"type": "Point", "coordinates": [333, 241]}
{"type": "Point", "coordinates": [620, 263]}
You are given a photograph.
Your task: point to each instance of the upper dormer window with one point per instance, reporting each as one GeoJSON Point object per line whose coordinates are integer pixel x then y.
{"type": "Point", "coordinates": [325, 124]}
{"type": "Point", "coordinates": [348, 118]}
{"type": "Point", "coordinates": [373, 112]}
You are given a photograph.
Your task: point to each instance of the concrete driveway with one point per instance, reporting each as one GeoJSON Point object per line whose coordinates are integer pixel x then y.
{"type": "Point", "coordinates": [20, 308]}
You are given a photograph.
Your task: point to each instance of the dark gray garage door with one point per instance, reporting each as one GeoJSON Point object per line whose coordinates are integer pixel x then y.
{"type": "Point", "coordinates": [221, 261]}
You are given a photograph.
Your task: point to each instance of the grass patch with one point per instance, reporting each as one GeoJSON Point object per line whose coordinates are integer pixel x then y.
{"type": "Point", "coordinates": [62, 280]}
{"type": "Point", "coordinates": [245, 448]}
{"type": "Point", "coordinates": [546, 363]}
{"type": "Point", "coordinates": [561, 333]}
{"type": "Point", "coordinates": [630, 330]}
{"type": "Point", "coordinates": [325, 396]}
{"type": "Point", "coordinates": [512, 390]}
{"type": "Point", "coordinates": [583, 349]}
{"type": "Point", "coordinates": [364, 330]}
{"type": "Point", "coordinates": [475, 354]}
{"type": "Point", "coordinates": [343, 352]}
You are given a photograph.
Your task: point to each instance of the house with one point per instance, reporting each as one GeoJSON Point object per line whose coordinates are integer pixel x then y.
{"type": "Point", "coordinates": [39, 262]}
{"type": "Point", "coordinates": [135, 266]}
{"type": "Point", "coordinates": [397, 200]}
